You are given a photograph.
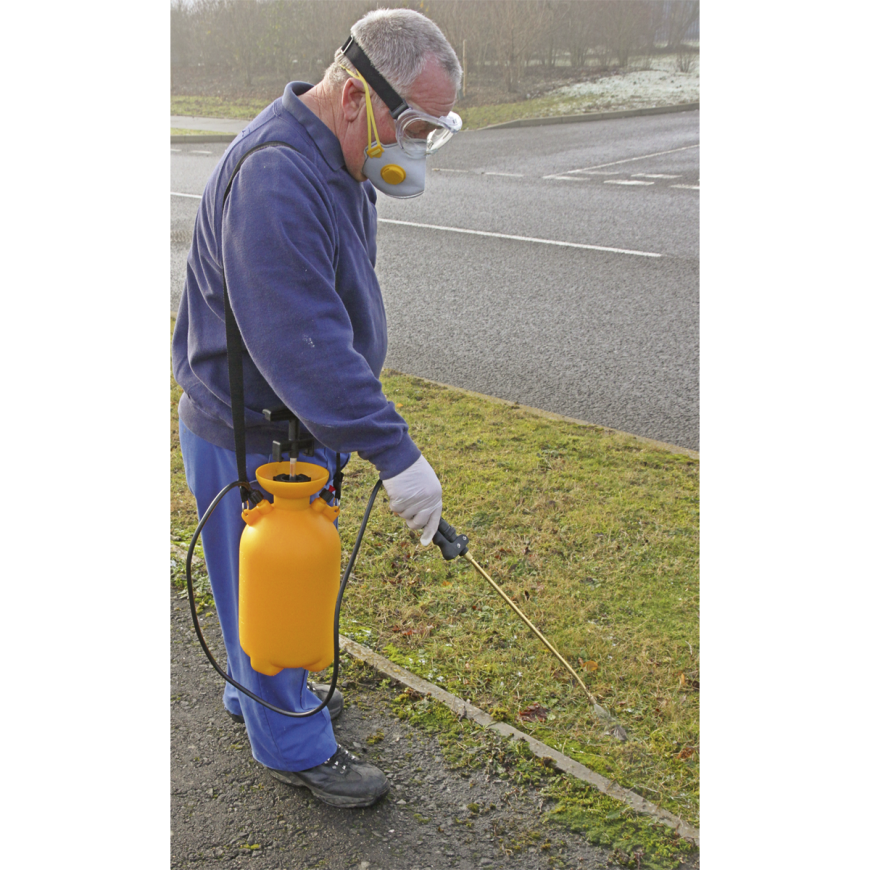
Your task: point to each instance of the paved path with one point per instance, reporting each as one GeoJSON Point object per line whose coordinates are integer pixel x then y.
{"type": "Point", "coordinates": [228, 812]}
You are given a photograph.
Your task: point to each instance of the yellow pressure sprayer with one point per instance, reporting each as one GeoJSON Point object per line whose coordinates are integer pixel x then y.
{"type": "Point", "coordinates": [289, 568]}
{"type": "Point", "coordinates": [289, 564]}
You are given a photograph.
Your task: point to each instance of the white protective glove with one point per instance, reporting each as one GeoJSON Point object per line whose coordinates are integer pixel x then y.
{"type": "Point", "coordinates": [415, 495]}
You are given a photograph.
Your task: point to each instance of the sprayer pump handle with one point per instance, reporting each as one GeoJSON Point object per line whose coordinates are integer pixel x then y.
{"type": "Point", "coordinates": [449, 542]}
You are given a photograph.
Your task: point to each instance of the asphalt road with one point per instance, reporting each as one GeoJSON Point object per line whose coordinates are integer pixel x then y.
{"type": "Point", "coordinates": [607, 336]}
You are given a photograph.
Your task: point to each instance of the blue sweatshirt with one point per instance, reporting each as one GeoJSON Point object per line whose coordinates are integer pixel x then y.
{"type": "Point", "coordinates": [296, 241]}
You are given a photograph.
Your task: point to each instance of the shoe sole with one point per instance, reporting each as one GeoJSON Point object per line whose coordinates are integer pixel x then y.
{"type": "Point", "coordinates": [341, 801]}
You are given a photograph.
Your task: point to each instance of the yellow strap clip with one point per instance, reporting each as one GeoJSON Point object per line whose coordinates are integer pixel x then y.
{"type": "Point", "coordinates": [373, 150]}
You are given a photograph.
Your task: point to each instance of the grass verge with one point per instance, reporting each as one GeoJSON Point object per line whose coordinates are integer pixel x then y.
{"type": "Point", "coordinates": [596, 536]}
{"type": "Point", "coordinates": [547, 106]}
{"type": "Point", "coordinates": [554, 104]}
{"type": "Point", "coordinates": [473, 117]}
{"type": "Point", "coordinates": [186, 131]}
{"type": "Point", "coordinates": [217, 107]}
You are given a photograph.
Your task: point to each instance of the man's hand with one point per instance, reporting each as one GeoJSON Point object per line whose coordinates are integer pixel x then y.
{"type": "Point", "coordinates": [415, 495]}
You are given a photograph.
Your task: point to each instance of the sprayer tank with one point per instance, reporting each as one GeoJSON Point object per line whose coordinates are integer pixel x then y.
{"type": "Point", "coordinates": [289, 567]}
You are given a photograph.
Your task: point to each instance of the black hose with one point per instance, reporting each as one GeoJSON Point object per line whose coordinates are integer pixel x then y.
{"type": "Point", "coordinates": [336, 649]}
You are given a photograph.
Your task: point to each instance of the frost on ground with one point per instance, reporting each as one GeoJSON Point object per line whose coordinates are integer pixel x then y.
{"type": "Point", "coordinates": [661, 84]}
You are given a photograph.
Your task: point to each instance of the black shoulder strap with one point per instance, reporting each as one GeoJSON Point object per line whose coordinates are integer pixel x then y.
{"type": "Point", "coordinates": [235, 345]}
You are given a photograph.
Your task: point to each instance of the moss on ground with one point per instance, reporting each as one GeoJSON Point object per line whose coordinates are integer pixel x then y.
{"type": "Point", "coordinates": [634, 840]}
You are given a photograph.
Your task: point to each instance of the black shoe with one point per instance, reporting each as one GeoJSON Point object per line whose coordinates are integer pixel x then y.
{"type": "Point", "coordinates": [335, 705]}
{"type": "Point", "coordinates": [341, 781]}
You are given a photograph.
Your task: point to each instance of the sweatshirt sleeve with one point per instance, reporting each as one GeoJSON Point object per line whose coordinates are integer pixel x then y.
{"type": "Point", "coordinates": [280, 256]}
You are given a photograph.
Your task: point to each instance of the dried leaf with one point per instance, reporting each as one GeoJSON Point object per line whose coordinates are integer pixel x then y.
{"type": "Point", "coordinates": [688, 752]}
{"type": "Point", "coordinates": [591, 667]}
{"type": "Point", "coordinates": [533, 713]}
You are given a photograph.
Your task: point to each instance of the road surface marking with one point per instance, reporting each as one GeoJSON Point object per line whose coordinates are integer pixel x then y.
{"type": "Point", "coordinates": [627, 181]}
{"type": "Point", "coordinates": [493, 235]}
{"type": "Point", "coordinates": [505, 174]}
{"type": "Point", "coordinates": [519, 238]}
{"type": "Point", "coordinates": [632, 159]}
{"type": "Point", "coordinates": [200, 152]}
{"type": "Point", "coordinates": [687, 186]}
{"type": "Point", "coordinates": [563, 178]}
{"type": "Point", "coordinates": [652, 175]}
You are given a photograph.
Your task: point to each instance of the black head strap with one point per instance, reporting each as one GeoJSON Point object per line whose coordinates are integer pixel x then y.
{"type": "Point", "coordinates": [352, 51]}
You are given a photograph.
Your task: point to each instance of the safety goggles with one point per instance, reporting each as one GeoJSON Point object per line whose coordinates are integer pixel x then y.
{"type": "Point", "coordinates": [417, 132]}
{"type": "Point", "coordinates": [420, 134]}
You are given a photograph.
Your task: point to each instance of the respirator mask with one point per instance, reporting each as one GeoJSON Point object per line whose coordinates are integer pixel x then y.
{"type": "Point", "coordinates": [399, 169]}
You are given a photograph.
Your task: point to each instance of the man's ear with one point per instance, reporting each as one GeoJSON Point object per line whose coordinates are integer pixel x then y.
{"type": "Point", "coordinates": [353, 99]}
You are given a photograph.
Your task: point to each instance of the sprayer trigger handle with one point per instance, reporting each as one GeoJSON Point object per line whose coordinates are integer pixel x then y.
{"type": "Point", "coordinates": [449, 542]}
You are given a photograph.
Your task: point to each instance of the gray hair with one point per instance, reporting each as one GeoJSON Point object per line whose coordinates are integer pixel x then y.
{"type": "Point", "coordinates": [398, 42]}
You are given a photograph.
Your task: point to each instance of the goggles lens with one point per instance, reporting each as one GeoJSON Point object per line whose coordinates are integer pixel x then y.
{"type": "Point", "coordinates": [419, 133]}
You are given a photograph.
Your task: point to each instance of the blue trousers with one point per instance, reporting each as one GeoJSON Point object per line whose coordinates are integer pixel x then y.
{"type": "Point", "coordinates": [277, 741]}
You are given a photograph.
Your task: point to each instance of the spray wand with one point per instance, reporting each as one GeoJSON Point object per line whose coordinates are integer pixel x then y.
{"type": "Point", "coordinates": [452, 544]}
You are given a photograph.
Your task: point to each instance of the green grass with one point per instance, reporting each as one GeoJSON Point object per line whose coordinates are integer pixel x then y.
{"type": "Point", "coordinates": [182, 508]}
{"type": "Point", "coordinates": [217, 107]}
{"type": "Point", "coordinates": [593, 533]}
{"type": "Point", "coordinates": [476, 117]}
{"type": "Point", "coordinates": [473, 117]}
{"type": "Point", "coordinates": [185, 131]}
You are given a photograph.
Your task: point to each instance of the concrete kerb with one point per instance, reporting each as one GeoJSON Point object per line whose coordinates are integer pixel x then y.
{"type": "Point", "coordinates": [524, 122]}
{"type": "Point", "coordinates": [549, 415]}
{"type": "Point", "coordinates": [465, 709]}
{"type": "Point", "coordinates": [562, 762]}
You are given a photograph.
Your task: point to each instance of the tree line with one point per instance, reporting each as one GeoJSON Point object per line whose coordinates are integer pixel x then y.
{"type": "Point", "coordinates": [497, 40]}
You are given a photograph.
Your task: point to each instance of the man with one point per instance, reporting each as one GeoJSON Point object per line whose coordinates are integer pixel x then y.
{"type": "Point", "coordinates": [288, 222]}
